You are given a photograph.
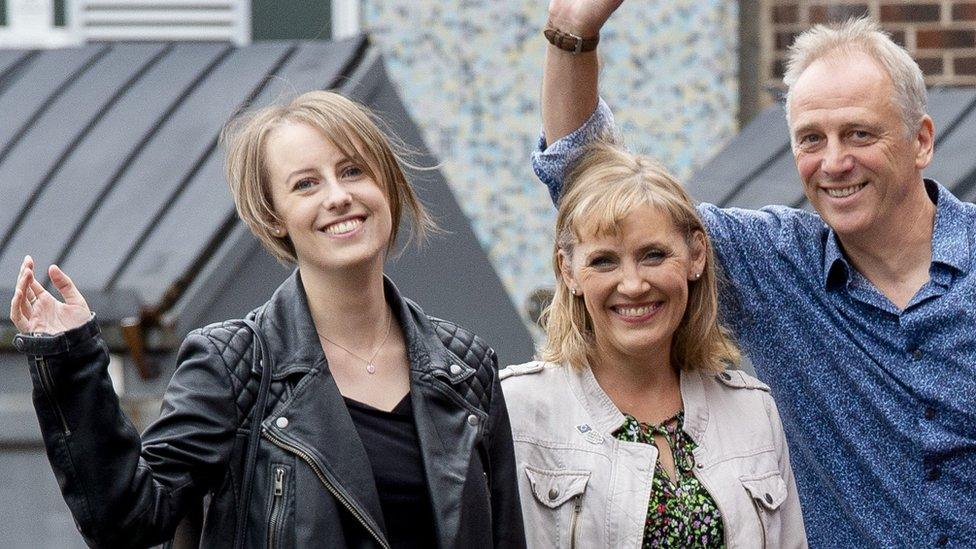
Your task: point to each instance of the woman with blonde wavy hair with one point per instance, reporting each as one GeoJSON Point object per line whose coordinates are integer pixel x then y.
{"type": "Point", "coordinates": [634, 430]}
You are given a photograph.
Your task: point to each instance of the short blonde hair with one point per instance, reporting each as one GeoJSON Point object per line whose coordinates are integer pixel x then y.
{"type": "Point", "coordinates": [866, 36]}
{"type": "Point", "coordinates": [605, 186]}
{"type": "Point", "coordinates": [350, 126]}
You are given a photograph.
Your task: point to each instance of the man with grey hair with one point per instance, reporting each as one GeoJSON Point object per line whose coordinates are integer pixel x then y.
{"type": "Point", "coordinates": [859, 317]}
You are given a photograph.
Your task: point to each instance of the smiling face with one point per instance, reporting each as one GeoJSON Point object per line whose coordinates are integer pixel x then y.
{"type": "Point", "coordinates": [635, 284]}
{"type": "Point", "coordinates": [335, 215]}
{"type": "Point", "coordinates": [860, 165]}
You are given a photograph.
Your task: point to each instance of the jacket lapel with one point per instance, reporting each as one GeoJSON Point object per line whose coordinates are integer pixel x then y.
{"type": "Point", "coordinates": [317, 423]}
{"type": "Point", "coordinates": [445, 430]}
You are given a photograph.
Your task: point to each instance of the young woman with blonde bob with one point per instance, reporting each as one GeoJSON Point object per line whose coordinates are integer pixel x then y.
{"type": "Point", "coordinates": [383, 427]}
{"type": "Point", "coordinates": [633, 431]}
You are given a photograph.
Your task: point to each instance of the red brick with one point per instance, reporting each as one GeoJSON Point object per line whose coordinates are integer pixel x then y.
{"type": "Point", "coordinates": [931, 66]}
{"type": "Point", "coordinates": [788, 13]}
{"type": "Point", "coordinates": [910, 13]}
{"type": "Point", "coordinates": [964, 12]}
{"type": "Point", "coordinates": [964, 65]}
{"type": "Point", "coordinates": [837, 12]}
{"type": "Point", "coordinates": [945, 39]}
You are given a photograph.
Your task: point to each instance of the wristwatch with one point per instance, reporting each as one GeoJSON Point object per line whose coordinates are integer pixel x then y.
{"type": "Point", "coordinates": [568, 41]}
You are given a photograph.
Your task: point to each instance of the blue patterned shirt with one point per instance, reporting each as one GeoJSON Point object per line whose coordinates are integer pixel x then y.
{"type": "Point", "coordinates": [878, 404]}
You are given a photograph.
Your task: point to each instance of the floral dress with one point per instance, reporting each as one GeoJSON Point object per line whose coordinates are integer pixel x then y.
{"type": "Point", "coordinates": [681, 514]}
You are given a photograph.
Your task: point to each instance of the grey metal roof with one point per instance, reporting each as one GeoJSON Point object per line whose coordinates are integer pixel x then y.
{"type": "Point", "coordinates": [109, 166]}
{"type": "Point", "coordinates": [756, 168]}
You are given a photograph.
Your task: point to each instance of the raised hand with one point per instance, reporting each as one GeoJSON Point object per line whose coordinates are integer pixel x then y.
{"type": "Point", "coordinates": [581, 17]}
{"type": "Point", "coordinates": [34, 310]}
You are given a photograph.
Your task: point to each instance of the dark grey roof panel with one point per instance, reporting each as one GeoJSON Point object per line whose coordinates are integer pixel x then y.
{"type": "Point", "coordinates": [725, 173]}
{"type": "Point", "coordinates": [8, 60]}
{"type": "Point", "coordinates": [777, 184]}
{"type": "Point", "coordinates": [42, 79]}
{"type": "Point", "coordinates": [188, 137]}
{"type": "Point", "coordinates": [44, 143]}
{"type": "Point", "coordinates": [955, 149]}
{"type": "Point", "coordinates": [206, 204]}
{"type": "Point", "coordinates": [76, 187]}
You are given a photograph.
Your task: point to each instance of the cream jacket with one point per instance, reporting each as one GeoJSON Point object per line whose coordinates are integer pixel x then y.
{"type": "Point", "coordinates": [581, 487]}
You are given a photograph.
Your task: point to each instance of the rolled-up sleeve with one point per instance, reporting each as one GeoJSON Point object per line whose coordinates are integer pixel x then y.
{"type": "Point", "coordinates": [550, 163]}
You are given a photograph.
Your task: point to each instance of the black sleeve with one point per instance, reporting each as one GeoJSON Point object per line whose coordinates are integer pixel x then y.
{"type": "Point", "coordinates": [506, 511]}
{"type": "Point", "coordinates": [122, 490]}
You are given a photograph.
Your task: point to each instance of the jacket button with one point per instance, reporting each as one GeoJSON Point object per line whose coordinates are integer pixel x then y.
{"type": "Point", "coordinates": [456, 370]}
{"type": "Point", "coordinates": [726, 376]}
{"type": "Point", "coordinates": [473, 420]}
{"type": "Point", "coordinates": [768, 498]}
{"type": "Point", "coordinates": [281, 422]}
{"type": "Point", "coordinates": [553, 494]}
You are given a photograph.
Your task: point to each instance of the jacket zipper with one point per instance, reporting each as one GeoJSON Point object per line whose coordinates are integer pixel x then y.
{"type": "Point", "coordinates": [47, 382]}
{"type": "Point", "coordinates": [277, 503]}
{"type": "Point", "coordinates": [574, 525]}
{"type": "Point", "coordinates": [332, 489]}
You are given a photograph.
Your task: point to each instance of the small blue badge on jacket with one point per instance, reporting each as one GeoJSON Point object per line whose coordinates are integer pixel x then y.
{"type": "Point", "coordinates": [589, 434]}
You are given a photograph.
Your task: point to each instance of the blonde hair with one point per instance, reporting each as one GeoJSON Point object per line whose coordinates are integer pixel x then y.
{"type": "Point", "coordinates": [350, 127]}
{"type": "Point", "coordinates": [605, 186]}
{"type": "Point", "coordinates": [866, 36]}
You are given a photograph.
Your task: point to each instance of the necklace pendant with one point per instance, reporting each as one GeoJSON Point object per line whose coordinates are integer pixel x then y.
{"type": "Point", "coordinates": [370, 368]}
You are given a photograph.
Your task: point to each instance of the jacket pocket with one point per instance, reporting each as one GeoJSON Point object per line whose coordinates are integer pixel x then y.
{"type": "Point", "coordinates": [560, 492]}
{"type": "Point", "coordinates": [768, 492]}
{"type": "Point", "coordinates": [277, 508]}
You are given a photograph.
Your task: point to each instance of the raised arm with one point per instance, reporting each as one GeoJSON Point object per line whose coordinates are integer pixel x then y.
{"type": "Point", "coordinates": [572, 114]}
{"type": "Point", "coordinates": [123, 490]}
{"type": "Point", "coordinates": [570, 80]}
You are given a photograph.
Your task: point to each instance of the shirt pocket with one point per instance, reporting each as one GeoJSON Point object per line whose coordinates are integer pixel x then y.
{"type": "Point", "coordinates": [558, 502]}
{"type": "Point", "coordinates": [767, 491]}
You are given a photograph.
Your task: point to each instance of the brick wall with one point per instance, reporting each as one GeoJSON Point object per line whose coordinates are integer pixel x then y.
{"type": "Point", "coordinates": [940, 34]}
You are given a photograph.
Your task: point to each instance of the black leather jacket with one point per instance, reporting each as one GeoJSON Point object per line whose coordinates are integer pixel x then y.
{"type": "Point", "coordinates": [313, 485]}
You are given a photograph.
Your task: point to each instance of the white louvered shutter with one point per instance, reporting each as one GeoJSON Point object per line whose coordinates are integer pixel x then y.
{"type": "Point", "coordinates": [211, 20]}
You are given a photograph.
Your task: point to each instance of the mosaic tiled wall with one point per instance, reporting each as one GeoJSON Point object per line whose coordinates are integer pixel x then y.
{"type": "Point", "coordinates": [469, 71]}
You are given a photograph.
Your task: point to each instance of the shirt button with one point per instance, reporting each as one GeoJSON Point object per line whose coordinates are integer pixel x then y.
{"type": "Point", "coordinates": [929, 412]}
{"type": "Point", "coordinates": [769, 499]}
{"type": "Point", "coordinates": [933, 473]}
{"type": "Point", "coordinates": [917, 354]}
{"type": "Point", "coordinates": [943, 540]}
{"type": "Point", "coordinates": [473, 420]}
{"type": "Point", "coordinates": [281, 422]}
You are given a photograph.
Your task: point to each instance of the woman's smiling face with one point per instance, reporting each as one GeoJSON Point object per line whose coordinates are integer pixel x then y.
{"type": "Point", "coordinates": [635, 284]}
{"type": "Point", "coordinates": [335, 214]}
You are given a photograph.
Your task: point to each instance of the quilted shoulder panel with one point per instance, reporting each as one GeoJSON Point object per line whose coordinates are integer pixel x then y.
{"type": "Point", "coordinates": [475, 353]}
{"type": "Point", "coordinates": [234, 342]}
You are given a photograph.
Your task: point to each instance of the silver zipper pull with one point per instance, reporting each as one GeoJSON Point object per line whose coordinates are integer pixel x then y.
{"type": "Point", "coordinates": [279, 481]}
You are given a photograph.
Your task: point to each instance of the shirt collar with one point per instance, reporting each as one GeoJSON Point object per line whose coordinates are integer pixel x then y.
{"type": "Point", "coordinates": [950, 239]}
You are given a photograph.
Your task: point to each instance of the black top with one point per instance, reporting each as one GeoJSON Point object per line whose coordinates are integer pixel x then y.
{"type": "Point", "coordinates": [390, 439]}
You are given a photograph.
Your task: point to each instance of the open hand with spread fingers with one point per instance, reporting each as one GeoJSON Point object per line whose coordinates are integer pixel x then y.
{"type": "Point", "coordinates": [581, 17]}
{"type": "Point", "coordinates": [34, 310]}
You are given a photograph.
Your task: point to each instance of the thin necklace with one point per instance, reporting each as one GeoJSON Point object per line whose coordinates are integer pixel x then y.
{"type": "Point", "coordinates": [370, 367]}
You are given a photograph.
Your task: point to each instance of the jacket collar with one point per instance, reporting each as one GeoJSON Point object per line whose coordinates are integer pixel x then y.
{"type": "Point", "coordinates": [607, 418]}
{"type": "Point", "coordinates": [286, 322]}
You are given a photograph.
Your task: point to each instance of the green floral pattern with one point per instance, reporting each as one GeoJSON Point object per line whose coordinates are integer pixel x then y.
{"type": "Point", "coordinates": [681, 514]}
